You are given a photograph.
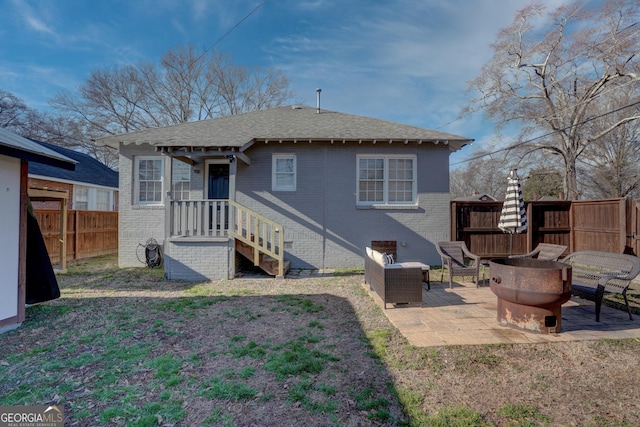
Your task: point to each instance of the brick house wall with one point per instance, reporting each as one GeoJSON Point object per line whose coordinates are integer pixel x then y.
{"type": "Point", "coordinates": [43, 184]}
{"type": "Point", "coordinates": [324, 228]}
{"type": "Point", "coordinates": [136, 223]}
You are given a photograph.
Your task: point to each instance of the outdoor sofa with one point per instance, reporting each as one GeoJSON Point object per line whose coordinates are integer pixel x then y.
{"type": "Point", "coordinates": [394, 283]}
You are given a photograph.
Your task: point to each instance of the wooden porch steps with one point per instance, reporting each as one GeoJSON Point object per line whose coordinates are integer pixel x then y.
{"type": "Point", "coordinates": [268, 264]}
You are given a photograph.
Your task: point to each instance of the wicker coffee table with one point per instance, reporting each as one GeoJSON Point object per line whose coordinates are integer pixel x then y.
{"type": "Point", "coordinates": [425, 270]}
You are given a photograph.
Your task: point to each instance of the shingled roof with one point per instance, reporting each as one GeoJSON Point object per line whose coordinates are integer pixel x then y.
{"type": "Point", "coordinates": [88, 170]}
{"type": "Point", "coordinates": [298, 123]}
{"type": "Point", "coordinates": [17, 146]}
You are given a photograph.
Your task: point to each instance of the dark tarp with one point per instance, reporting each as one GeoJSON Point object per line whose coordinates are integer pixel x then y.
{"type": "Point", "coordinates": [42, 284]}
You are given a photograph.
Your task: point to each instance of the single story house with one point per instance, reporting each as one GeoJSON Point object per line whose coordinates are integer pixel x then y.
{"type": "Point", "coordinates": [90, 186]}
{"type": "Point", "coordinates": [288, 187]}
{"type": "Point", "coordinates": [16, 153]}
{"type": "Point", "coordinates": [476, 197]}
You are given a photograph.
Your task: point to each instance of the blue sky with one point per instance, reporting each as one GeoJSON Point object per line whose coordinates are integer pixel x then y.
{"type": "Point", "coordinates": [405, 60]}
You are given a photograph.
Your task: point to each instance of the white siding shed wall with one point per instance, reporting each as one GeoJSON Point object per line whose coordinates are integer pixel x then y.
{"type": "Point", "coordinates": [10, 232]}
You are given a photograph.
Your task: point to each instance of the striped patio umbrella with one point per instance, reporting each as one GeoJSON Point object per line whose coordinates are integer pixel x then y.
{"type": "Point", "coordinates": [513, 217]}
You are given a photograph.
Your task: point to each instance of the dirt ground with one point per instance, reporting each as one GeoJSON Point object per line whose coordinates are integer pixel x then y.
{"type": "Point", "coordinates": [360, 353]}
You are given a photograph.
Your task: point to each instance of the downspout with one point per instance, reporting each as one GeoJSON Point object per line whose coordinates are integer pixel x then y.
{"type": "Point", "coordinates": [324, 210]}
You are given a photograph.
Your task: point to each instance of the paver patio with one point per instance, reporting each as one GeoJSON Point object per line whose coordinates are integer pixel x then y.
{"type": "Point", "coordinates": [466, 315]}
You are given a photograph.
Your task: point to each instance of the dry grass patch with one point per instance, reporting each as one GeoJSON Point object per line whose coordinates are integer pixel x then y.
{"type": "Point", "coordinates": [127, 347]}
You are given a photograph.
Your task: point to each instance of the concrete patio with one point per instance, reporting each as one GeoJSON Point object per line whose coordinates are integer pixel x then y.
{"type": "Point", "coordinates": [466, 315]}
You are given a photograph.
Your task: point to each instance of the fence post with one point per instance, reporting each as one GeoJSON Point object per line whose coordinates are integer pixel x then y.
{"type": "Point", "coordinates": [63, 236]}
{"type": "Point", "coordinates": [76, 236]}
{"type": "Point", "coordinates": [530, 229]}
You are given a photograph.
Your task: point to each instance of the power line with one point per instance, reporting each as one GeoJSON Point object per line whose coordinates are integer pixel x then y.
{"type": "Point", "coordinates": [511, 147]}
{"type": "Point", "coordinates": [238, 23]}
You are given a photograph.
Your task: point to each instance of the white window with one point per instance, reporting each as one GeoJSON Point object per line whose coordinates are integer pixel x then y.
{"type": "Point", "coordinates": [148, 180]}
{"type": "Point", "coordinates": [180, 180]}
{"type": "Point", "coordinates": [103, 200]}
{"type": "Point", "coordinates": [283, 172]}
{"type": "Point", "coordinates": [92, 199]}
{"type": "Point", "coordinates": [80, 198]}
{"type": "Point", "coordinates": [386, 180]}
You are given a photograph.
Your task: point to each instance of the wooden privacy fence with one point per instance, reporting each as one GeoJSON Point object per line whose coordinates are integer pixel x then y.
{"type": "Point", "coordinates": [89, 233]}
{"type": "Point", "coordinates": [609, 225]}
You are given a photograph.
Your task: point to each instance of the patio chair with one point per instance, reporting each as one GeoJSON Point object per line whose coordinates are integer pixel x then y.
{"type": "Point", "coordinates": [458, 260]}
{"type": "Point", "coordinates": [545, 251]}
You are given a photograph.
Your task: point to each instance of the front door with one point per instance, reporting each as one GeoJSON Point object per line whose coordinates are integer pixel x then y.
{"type": "Point", "coordinates": [218, 184]}
{"type": "Point", "coordinates": [218, 188]}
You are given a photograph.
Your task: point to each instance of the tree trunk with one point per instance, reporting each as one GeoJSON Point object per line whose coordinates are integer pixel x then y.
{"type": "Point", "coordinates": [570, 179]}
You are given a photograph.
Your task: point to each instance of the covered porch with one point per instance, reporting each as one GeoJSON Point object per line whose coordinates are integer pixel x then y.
{"type": "Point", "coordinates": [202, 219]}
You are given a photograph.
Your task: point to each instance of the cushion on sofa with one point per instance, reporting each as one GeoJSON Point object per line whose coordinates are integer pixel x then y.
{"type": "Point", "coordinates": [369, 252]}
{"type": "Point", "coordinates": [378, 257]}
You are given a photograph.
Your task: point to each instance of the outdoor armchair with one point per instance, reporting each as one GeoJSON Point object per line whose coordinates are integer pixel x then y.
{"type": "Point", "coordinates": [544, 251]}
{"type": "Point", "coordinates": [458, 260]}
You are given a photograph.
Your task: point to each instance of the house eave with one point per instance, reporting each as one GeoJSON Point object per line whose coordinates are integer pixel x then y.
{"type": "Point", "coordinates": [454, 145]}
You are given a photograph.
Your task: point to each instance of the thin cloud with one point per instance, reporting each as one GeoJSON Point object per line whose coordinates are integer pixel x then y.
{"type": "Point", "coordinates": [32, 19]}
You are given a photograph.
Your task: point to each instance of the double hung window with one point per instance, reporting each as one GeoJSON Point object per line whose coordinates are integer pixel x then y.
{"type": "Point", "coordinates": [283, 172]}
{"type": "Point", "coordinates": [81, 198]}
{"type": "Point", "coordinates": [148, 185]}
{"type": "Point", "coordinates": [386, 180]}
{"type": "Point", "coordinates": [180, 180]}
{"type": "Point", "coordinates": [103, 200]}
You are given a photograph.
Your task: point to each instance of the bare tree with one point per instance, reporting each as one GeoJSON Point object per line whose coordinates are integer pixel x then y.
{"type": "Point", "coordinates": [241, 90]}
{"type": "Point", "coordinates": [610, 166]}
{"type": "Point", "coordinates": [111, 101]}
{"type": "Point", "coordinates": [13, 112]}
{"type": "Point", "coordinates": [486, 174]}
{"type": "Point", "coordinates": [58, 130]}
{"type": "Point", "coordinates": [187, 85]}
{"type": "Point", "coordinates": [550, 71]}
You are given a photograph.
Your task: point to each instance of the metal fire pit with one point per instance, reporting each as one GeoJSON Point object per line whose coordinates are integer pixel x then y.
{"type": "Point", "coordinates": [530, 293]}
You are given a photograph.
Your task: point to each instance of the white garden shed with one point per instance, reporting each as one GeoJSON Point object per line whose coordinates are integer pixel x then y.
{"type": "Point", "coordinates": [15, 153]}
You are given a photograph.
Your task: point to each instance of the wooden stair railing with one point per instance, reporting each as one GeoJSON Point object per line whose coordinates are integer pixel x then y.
{"type": "Point", "coordinates": [258, 238]}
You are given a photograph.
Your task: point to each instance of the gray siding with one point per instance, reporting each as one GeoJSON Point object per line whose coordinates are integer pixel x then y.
{"type": "Point", "coordinates": [323, 226]}
{"type": "Point", "coordinates": [198, 260]}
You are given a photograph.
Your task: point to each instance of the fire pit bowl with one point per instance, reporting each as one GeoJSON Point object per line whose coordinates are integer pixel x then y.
{"type": "Point", "coordinates": [530, 293]}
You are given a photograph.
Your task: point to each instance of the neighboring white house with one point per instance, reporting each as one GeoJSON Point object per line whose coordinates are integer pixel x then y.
{"type": "Point", "coordinates": [15, 154]}
{"type": "Point", "coordinates": [289, 186]}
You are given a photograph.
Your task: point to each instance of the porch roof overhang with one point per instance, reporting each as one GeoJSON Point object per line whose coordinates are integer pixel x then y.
{"type": "Point", "coordinates": [186, 153]}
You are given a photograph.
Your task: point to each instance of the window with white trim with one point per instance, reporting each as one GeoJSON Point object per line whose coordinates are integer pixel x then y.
{"type": "Point", "coordinates": [180, 180]}
{"type": "Point", "coordinates": [148, 180]}
{"type": "Point", "coordinates": [92, 199]}
{"type": "Point", "coordinates": [283, 172]}
{"type": "Point", "coordinates": [103, 200]}
{"type": "Point", "coordinates": [386, 180]}
{"type": "Point", "coordinates": [80, 198]}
